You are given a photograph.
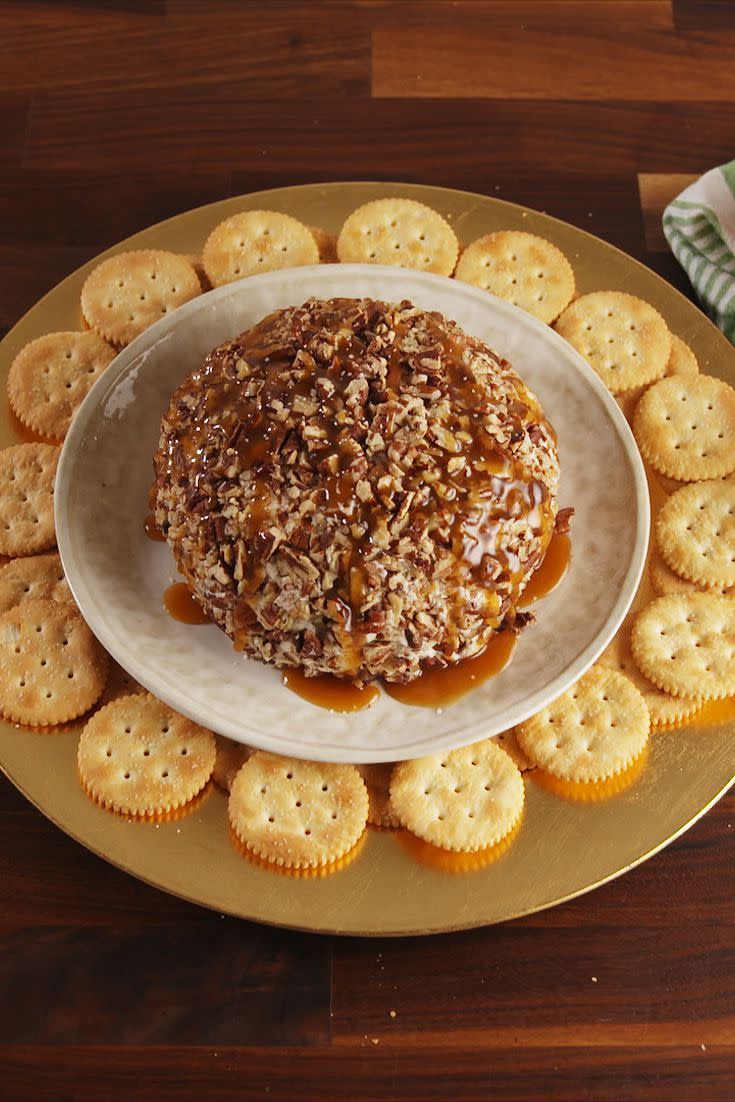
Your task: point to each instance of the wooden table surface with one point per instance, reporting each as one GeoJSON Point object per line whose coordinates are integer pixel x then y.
{"type": "Point", "coordinates": [117, 114]}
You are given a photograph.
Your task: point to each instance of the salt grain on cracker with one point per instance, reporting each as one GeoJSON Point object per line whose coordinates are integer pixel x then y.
{"type": "Point", "coordinates": [525, 269]}
{"type": "Point", "coordinates": [297, 814]}
{"type": "Point", "coordinates": [695, 532]}
{"type": "Point", "coordinates": [27, 473]}
{"type": "Point", "coordinates": [685, 427]}
{"type": "Point", "coordinates": [139, 757]}
{"type": "Point", "coordinates": [32, 577]}
{"type": "Point", "coordinates": [463, 800]}
{"type": "Point", "coordinates": [52, 669]}
{"type": "Point", "coordinates": [593, 731]}
{"type": "Point", "coordinates": [231, 756]}
{"type": "Point", "coordinates": [256, 241]}
{"type": "Point", "coordinates": [622, 338]}
{"type": "Point", "coordinates": [377, 778]}
{"type": "Point", "coordinates": [399, 232]}
{"type": "Point", "coordinates": [685, 644]}
{"type": "Point", "coordinates": [50, 378]}
{"type": "Point", "coordinates": [127, 292]}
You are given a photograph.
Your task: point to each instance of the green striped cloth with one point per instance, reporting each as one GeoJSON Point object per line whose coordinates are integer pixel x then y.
{"type": "Point", "coordinates": [700, 228]}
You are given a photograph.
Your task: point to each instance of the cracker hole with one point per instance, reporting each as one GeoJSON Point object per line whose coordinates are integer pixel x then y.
{"type": "Point", "coordinates": [146, 753]}
{"type": "Point", "coordinates": [127, 730]}
{"type": "Point", "coordinates": [164, 730]}
{"type": "Point", "coordinates": [298, 803]}
{"type": "Point", "coordinates": [108, 752]}
{"type": "Point", "coordinates": [44, 662]}
{"type": "Point", "coordinates": [184, 752]}
{"type": "Point", "coordinates": [289, 776]}
{"type": "Point", "coordinates": [334, 814]}
{"type": "Point", "coordinates": [164, 773]}
{"type": "Point", "coordinates": [325, 788]}
{"type": "Point", "coordinates": [127, 776]}
{"type": "Point", "coordinates": [307, 831]}
{"type": "Point", "coordinates": [271, 819]}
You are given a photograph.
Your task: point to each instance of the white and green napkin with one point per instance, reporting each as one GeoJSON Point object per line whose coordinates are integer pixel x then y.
{"type": "Point", "coordinates": [700, 228]}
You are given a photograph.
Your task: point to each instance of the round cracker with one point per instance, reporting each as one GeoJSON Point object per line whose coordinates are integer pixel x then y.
{"type": "Point", "coordinates": [29, 578]}
{"type": "Point", "coordinates": [297, 814]}
{"type": "Point", "coordinates": [622, 338]}
{"type": "Point", "coordinates": [685, 644]}
{"type": "Point", "coordinates": [682, 360]}
{"type": "Point", "coordinates": [463, 800]}
{"type": "Point", "coordinates": [593, 731]}
{"type": "Point", "coordinates": [27, 473]}
{"type": "Point", "coordinates": [695, 532]}
{"type": "Point", "coordinates": [685, 427]}
{"type": "Point", "coordinates": [140, 757]}
{"type": "Point", "coordinates": [663, 708]}
{"type": "Point", "coordinates": [525, 269]}
{"type": "Point", "coordinates": [399, 232]}
{"type": "Point", "coordinates": [377, 778]}
{"type": "Point", "coordinates": [126, 293]}
{"type": "Point", "coordinates": [52, 669]}
{"type": "Point", "coordinates": [230, 757]}
{"type": "Point", "coordinates": [50, 378]}
{"type": "Point", "coordinates": [256, 241]}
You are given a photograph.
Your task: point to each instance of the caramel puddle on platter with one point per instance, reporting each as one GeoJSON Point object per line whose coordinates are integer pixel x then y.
{"type": "Point", "coordinates": [550, 572]}
{"type": "Point", "coordinates": [330, 692]}
{"type": "Point", "coordinates": [182, 605]}
{"type": "Point", "coordinates": [442, 685]}
{"type": "Point", "coordinates": [152, 530]}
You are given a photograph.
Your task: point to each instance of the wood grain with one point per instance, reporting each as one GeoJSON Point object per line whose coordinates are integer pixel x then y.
{"type": "Point", "coordinates": [455, 142]}
{"type": "Point", "coordinates": [119, 113]}
{"type": "Point", "coordinates": [553, 48]}
{"type": "Point", "coordinates": [368, 1071]}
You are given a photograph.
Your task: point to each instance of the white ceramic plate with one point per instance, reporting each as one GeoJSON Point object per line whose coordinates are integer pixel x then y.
{"type": "Point", "coordinates": [118, 575]}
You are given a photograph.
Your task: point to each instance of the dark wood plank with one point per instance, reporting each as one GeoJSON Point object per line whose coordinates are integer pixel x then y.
{"type": "Point", "coordinates": [607, 985]}
{"type": "Point", "coordinates": [550, 49]}
{"type": "Point", "coordinates": [704, 15]}
{"type": "Point", "coordinates": [78, 208]}
{"type": "Point", "coordinates": [457, 143]}
{"type": "Point", "coordinates": [364, 1071]}
{"type": "Point", "coordinates": [14, 110]}
{"type": "Point", "coordinates": [277, 50]}
{"type": "Point", "coordinates": [128, 986]}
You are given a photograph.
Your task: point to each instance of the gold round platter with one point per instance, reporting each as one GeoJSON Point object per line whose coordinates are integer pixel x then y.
{"type": "Point", "coordinates": [564, 847]}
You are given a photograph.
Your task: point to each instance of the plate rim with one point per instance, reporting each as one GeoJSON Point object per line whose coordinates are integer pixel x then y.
{"type": "Point", "coordinates": [89, 421]}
